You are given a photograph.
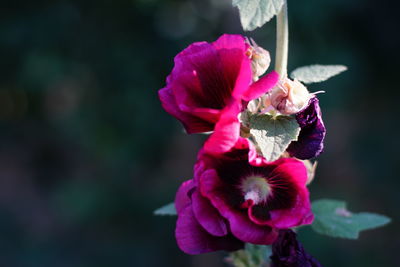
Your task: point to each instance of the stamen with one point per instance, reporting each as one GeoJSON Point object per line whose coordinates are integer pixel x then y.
{"type": "Point", "coordinates": [256, 189]}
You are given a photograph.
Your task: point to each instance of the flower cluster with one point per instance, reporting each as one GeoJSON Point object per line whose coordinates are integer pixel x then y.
{"type": "Point", "coordinates": [237, 194]}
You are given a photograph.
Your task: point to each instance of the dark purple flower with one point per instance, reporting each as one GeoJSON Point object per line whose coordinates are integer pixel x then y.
{"type": "Point", "coordinates": [310, 141]}
{"type": "Point", "coordinates": [287, 251]}
{"type": "Point", "coordinates": [239, 197]}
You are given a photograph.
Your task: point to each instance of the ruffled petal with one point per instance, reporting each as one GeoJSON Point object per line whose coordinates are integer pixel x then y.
{"type": "Point", "coordinates": [191, 123]}
{"type": "Point", "coordinates": [207, 114]}
{"type": "Point", "coordinates": [193, 239]}
{"type": "Point", "coordinates": [208, 216]}
{"type": "Point", "coordinates": [182, 198]}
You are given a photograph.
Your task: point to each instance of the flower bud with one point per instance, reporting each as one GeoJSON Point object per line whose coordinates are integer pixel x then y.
{"type": "Point", "coordinates": [289, 97]}
{"type": "Point", "coordinates": [260, 59]}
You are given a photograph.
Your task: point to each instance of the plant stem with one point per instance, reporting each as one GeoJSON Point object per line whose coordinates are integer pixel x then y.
{"type": "Point", "coordinates": [282, 41]}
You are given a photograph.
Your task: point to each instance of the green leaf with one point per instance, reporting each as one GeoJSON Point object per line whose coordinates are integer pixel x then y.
{"type": "Point", "coordinates": [273, 134]}
{"type": "Point", "coordinates": [255, 13]}
{"type": "Point", "coordinates": [317, 73]}
{"type": "Point", "coordinates": [333, 219]}
{"type": "Point", "coordinates": [251, 256]}
{"type": "Point", "coordinates": [168, 209]}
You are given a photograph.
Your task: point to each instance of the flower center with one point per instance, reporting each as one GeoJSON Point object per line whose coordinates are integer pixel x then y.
{"type": "Point", "coordinates": [255, 188]}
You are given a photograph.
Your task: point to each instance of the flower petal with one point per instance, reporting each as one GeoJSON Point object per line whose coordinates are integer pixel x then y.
{"type": "Point", "coordinates": [231, 41]}
{"type": "Point", "coordinates": [262, 86]}
{"type": "Point", "coordinates": [181, 198]}
{"type": "Point", "coordinates": [191, 123]}
{"type": "Point", "coordinates": [199, 77]}
{"type": "Point", "coordinates": [208, 216]}
{"type": "Point", "coordinates": [236, 65]}
{"type": "Point", "coordinates": [226, 131]}
{"type": "Point", "coordinates": [193, 239]}
{"type": "Point", "coordinates": [310, 141]}
{"type": "Point", "coordinates": [206, 114]}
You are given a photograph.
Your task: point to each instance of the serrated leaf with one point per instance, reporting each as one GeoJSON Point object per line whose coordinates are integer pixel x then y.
{"type": "Point", "coordinates": [333, 219]}
{"type": "Point", "coordinates": [273, 134]}
{"type": "Point", "coordinates": [168, 209]}
{"type": "Point", "coordinates": [316, 73]}
{"type": "Point", "coordinates": [255, 13]}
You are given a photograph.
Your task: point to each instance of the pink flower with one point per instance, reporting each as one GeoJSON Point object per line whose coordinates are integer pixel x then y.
{"type": "Point", "coordinates": [209, 85]}
{"type": "Point", "coordinates": [238, 197]}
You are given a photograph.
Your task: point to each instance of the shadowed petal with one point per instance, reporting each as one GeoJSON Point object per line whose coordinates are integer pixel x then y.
{"type": "Point", "coordinates": [182, 199]}
{"type": "Point", "coordinates": [200, 78]}
{"type": "Point", "coordinates": [208, 216]}
{"type": "Point", "coordinates": [310, 141]}
{"type": "Point", "coordinates": [193, 239]}
{"type": "Point", "coordinates": [192, 124]}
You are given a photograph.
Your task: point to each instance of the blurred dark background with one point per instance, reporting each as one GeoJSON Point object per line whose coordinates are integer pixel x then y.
{"type": "Point", "coordinates": [87, 153]}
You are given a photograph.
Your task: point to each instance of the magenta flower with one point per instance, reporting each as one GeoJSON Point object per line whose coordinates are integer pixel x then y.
{"type": "Point", "coordinates": [238, 196]}
{"type": "Point", "coordinates": [310, 141]}
{"type": "Point", "coordinates": [287, 251]}
{"type": "Point", "coordinates": [209, 85]}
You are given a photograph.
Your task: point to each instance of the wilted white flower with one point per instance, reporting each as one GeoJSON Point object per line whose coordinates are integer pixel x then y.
{"type": "Point", "coordinates": [288, 97]}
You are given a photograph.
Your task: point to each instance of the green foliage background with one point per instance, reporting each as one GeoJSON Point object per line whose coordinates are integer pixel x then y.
{"type": "Point", "coordinates": [87, 153]}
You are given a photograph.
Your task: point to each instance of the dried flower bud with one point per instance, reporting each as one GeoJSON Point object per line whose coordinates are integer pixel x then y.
{"type": "Point", "coordinates": [289, 97]}
{"type": "Point", "coordinates": [260, 59]}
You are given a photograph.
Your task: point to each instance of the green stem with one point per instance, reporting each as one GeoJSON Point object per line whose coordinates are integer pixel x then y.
{"type": "Point", "coordinates": [282, 41]}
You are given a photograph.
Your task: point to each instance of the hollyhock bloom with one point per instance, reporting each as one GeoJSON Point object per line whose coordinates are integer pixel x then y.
{"type": "Point", "coordinates": [309, 144]}
{"type": "Point", "coordinates": [287, 251]}
{"type": "Point", "coordinates": [239, 197]}
{"type": "Point", "coordinates": [210, 84]}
